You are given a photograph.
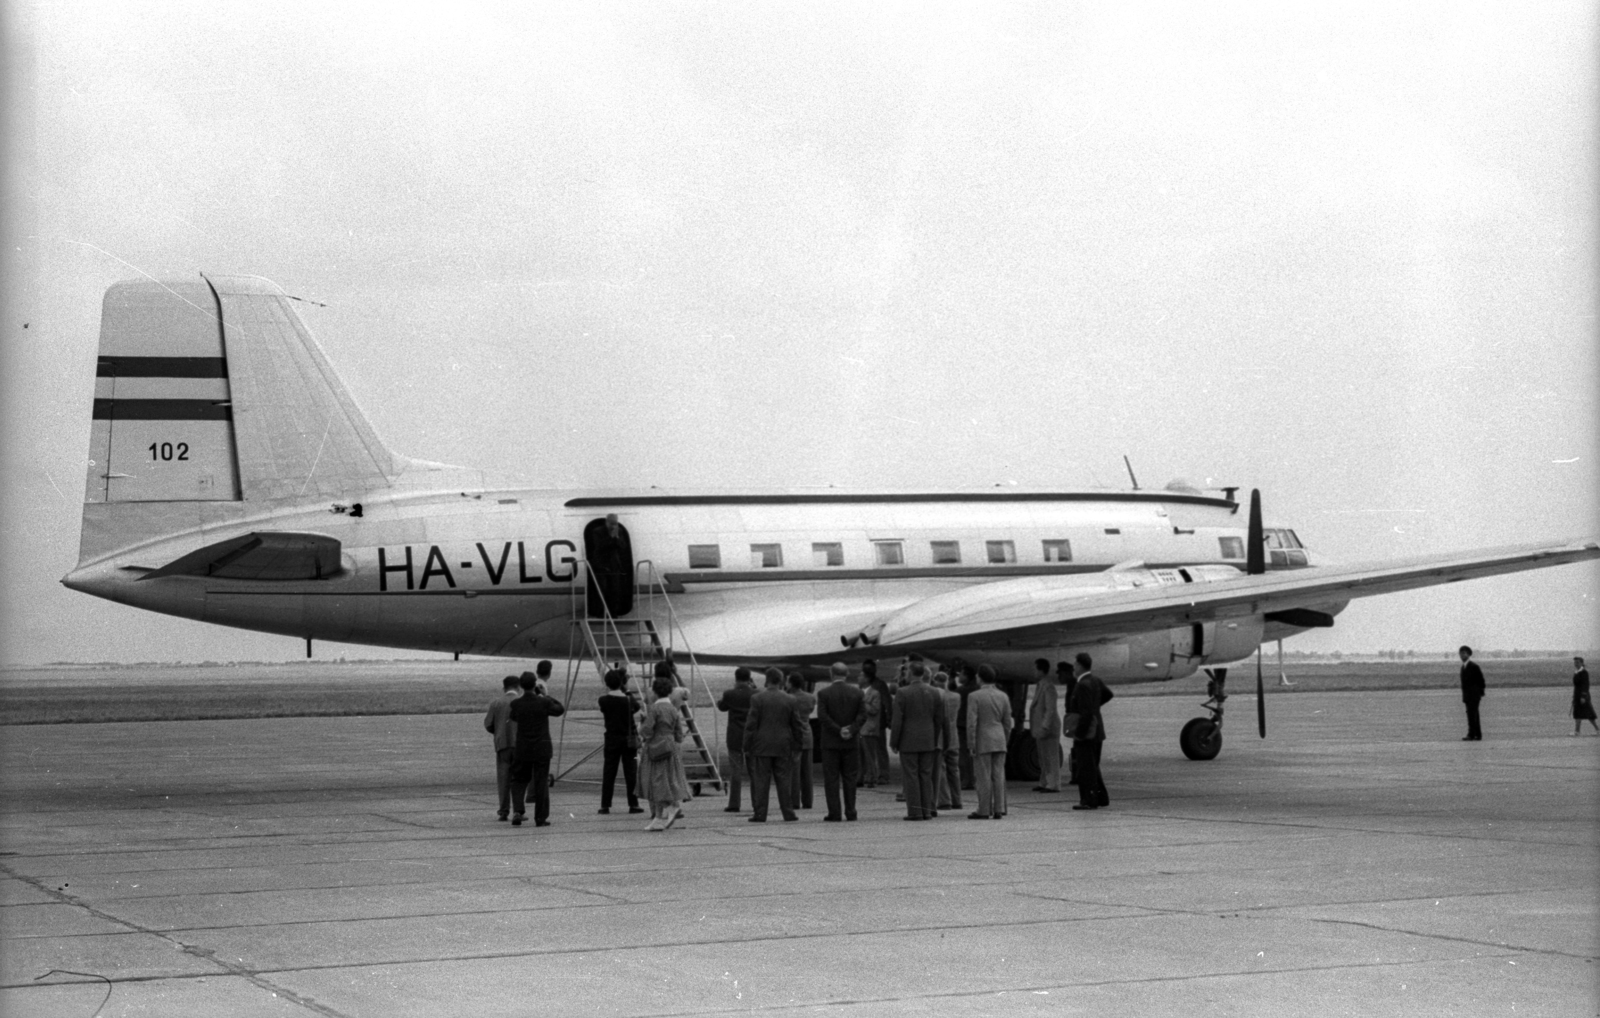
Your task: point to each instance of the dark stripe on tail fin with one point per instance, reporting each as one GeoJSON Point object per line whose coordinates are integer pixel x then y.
{"type": "Point", "coordinates": [162, 410]}
{"type": "Point", "coordinates": [162, 367]}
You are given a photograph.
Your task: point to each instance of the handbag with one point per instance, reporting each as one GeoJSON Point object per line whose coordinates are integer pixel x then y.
{"type": "Point", "coordinates": [1069, 726]}
{"type": "Point", "coordinates": [663, 753]}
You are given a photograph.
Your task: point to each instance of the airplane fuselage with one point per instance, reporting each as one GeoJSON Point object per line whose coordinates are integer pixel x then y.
{"type": "Point", "coordinates": [502, 572]}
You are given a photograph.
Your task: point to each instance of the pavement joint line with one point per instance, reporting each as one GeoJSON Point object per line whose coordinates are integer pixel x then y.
{"type": "Point", "coordinates": [1547, 952]}
{"type": "Point", "coordinates": [202, 954]}
{"type": "Point", "coordinates": [1368, 830]}
{"type": "Point", "coordinates": [1027, 989]}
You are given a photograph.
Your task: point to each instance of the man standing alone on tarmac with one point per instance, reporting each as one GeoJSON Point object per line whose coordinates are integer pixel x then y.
{"type": "Point", "coordinates": [1044, 724]}
{"type": "Point", "coordinates": [1471, 693]}
{"type": "Point", "coordinates": [530, 762]}
{"type": "Point", "coordinates": [497, 722]}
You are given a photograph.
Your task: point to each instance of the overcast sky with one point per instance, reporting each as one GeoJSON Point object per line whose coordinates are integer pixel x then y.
{"type": "Point", "coordinates": [1342, 254]}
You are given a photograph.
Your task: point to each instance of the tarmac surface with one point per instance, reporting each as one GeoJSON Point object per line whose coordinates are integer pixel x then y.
{"type": "Point", "coordinates": [1361, 860]}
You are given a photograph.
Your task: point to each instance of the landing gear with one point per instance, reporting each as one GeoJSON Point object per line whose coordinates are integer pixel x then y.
{"type": "Point", "coordinates": [1201, 738]}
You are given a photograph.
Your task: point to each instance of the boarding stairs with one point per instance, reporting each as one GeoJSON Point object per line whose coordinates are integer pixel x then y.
{"type": "Point", "coordinates": [636, 645]}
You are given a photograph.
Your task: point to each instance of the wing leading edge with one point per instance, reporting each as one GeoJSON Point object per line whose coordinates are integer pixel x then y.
{"type": "Point", "coordinates": [1043, 610]}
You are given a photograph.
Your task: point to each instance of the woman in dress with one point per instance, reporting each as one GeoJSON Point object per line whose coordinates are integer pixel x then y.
{"type": "Point", "coordinates": [1582, 706]}
{"type": "Point", "coordinates": [661, 776]}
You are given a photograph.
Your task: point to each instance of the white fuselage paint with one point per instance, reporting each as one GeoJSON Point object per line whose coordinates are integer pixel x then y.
{"type": "Point", "coordinates": [499, 573]}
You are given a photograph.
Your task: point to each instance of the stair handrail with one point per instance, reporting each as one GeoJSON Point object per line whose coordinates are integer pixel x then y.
{"type": "Point", "coordinates": [654, 580]}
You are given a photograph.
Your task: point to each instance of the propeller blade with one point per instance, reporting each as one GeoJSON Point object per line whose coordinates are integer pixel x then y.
{"type": "Point", "coordinates": [1255, 556]}
{"type": "Point", "coordinates": [1261, 698]}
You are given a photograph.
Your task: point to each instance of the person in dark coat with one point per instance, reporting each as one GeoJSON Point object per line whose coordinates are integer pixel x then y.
{"type": "Point", "coordinates": [842, 710]}
{"type": "Point", "coordinates": [968, 677]}
{"type": "Point", "coordinates": [1068, 680]}
{"type": "Point", "coordinates": [736, 702]}
{"type": "Point", "coordinates": [1471, 693]}
{"type": "Point", "coordinates": [771, 733]}
{"type": "Point", "coordinates": [1582, 706]}
{"type": "Point", "coordinates": [497, 722]}
{"type": "Point", "coordinates": [918, 736]}
{"type": "Point", "coordinates": [621, 746]}
{"type": "Point", "coordinates": [530, 762]}
{"type": "Point", "coordinates": [1088, 696]}
{"type": "Point", "coordinates": [801, 788]}
{"type": "Point", "coordinates": [880, 743]}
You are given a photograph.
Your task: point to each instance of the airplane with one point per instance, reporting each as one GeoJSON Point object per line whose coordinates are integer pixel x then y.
{"type": "Point", "coordinates": [232, 479]}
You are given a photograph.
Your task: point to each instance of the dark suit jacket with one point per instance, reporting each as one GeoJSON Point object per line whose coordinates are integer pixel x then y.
{"type": "Point", "coordinates": [918, 719]}
{"type": "Point", "coordinates": [772, 728]}
{"type": "Point", "coordinates": [804, 703]}
{"type": "Point", "coordinates": [1087, 697]}
{"type": "Point", "coordinates": [841, 705]}
{"type": "Point", "coordinates": [736, 702]}
{"type": "Point", "coordinates": [1471, 681]}
{"type": "Point", "coordinates": [886, 702]}
{"type": "Point", "coordinates": [530, 719]}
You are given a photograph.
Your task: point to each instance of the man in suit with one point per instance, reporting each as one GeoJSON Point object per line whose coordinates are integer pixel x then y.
{"type": "Point", "coordinates": [1471, 693]}
{"type": "Point", "coordinates": [948, 785]}
{"type": "Point", "coordinates": [736, 702]}
{"type": "Point", "coordinates": [1087, 698]}
{"type": "Point", "coordinates": [800, 782]}
{"type": "Point", "coordinates": [880, 744]}
{"type": "Point", "coordinates": [1044, 724]}
{"type": "Point", "coordinates": [842, 710]}
{"type": "Point", "coordinates": [771, 733]}
{"type": "Point", "coordinates": [988, 732]}
{"type": "Point", "coordinates": [968, 678]}
{"type": "Point", "coordinates": [497, 722]}
{"type": "Point", "coordinates": [530, 724]}
{"type": "Point", "coordinates": [1067, 681]}
{"type": "Point", "coordinates": [917, 735]}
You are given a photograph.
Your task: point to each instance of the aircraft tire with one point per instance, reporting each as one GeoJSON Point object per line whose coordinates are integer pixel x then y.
{"type": "Point", "coordinates": [1201, 739]}
{"type": "Point", "coordinates": [1022, 757]}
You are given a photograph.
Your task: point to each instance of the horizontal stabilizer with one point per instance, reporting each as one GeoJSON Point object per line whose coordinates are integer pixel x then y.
{"type": "Point", "coordinates": [267, 555]}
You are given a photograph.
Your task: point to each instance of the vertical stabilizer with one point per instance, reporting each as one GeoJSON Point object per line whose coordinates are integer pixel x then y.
{"type": "Point", "coordinates": [213, 401]}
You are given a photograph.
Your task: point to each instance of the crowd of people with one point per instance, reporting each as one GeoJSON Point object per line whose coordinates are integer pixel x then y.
{"type": "Point", "coordinates": [951, 733]}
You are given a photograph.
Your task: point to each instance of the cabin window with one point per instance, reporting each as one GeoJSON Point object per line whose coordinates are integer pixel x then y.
{"type": "Point", "coordinates": [889, 553]}
{"type": "Point", "coordinates": [946, 553]}
{"type": "Point", "coordinates": [766, 556]}
{"type": "Point", "coordinates": [1113, 530]}
{"type": "Point", "coordinates": [829, 554]}
{"type": "Point", "coordinates": [1058, 551]}
{"type": "Point", "coordinates": [705, 556]}
{"type": "Point", "coordinates": [1001, 552]}
{"type": "Point", "coordinates": [1232, 547]}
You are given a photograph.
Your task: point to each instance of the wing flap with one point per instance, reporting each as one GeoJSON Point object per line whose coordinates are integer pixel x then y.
{"type": "Point", "coordinates": [1044, 609]}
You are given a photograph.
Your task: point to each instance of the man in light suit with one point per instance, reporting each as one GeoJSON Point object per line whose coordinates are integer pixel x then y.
{"type": "Point", "coordinates": [1044, 724]}
{"type": "Point", "coordinates": [917, 736]}
{"type": "Point", "coordinates": [842, 710]}
{"type": "Point", "coordinates": [771, 733]}
{"type": "Point", "coordinates": [988, 731]}
{"type": "Point", "coordinates": [1087, 698]}
{"type": "Point", "coordinates": [497, 722]}
{"type": "Point", "coordinates": [949, 783]}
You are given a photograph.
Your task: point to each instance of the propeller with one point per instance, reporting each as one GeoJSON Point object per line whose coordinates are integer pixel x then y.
{"type": "Point", "coordinates": [1261, 698]}
{"type": "Point", "coordinates": [1256, 564]}
{"type": "Point", "coordinates": [1255, 560]}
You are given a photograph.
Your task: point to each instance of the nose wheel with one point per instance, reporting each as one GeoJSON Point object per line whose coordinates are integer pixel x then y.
{"type": "Point", "coordinates": [1201, 738]}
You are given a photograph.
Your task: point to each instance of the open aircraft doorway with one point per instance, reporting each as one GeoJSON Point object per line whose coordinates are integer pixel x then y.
{"type": "Point", "coordinates": [609, 550]}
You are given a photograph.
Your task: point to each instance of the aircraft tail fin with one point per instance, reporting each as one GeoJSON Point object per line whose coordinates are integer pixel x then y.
{"type": "Point", "coordinates": [210, 393]}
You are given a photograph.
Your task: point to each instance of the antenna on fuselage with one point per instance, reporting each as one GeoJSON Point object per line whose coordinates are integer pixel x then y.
{"type": "Point", "coordinates": [1129, 465]}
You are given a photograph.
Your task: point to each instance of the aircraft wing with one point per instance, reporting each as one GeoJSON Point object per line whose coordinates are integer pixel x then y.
{"type": "Point", "coordinates": [1043, 610]}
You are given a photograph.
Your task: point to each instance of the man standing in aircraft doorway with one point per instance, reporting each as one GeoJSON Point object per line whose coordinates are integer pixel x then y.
{"type": "Point", "coordinates": [1471, 693]}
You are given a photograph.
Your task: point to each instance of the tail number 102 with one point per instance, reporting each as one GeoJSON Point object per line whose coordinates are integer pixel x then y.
{"type": "Point", "coordinates": [168, 451]}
